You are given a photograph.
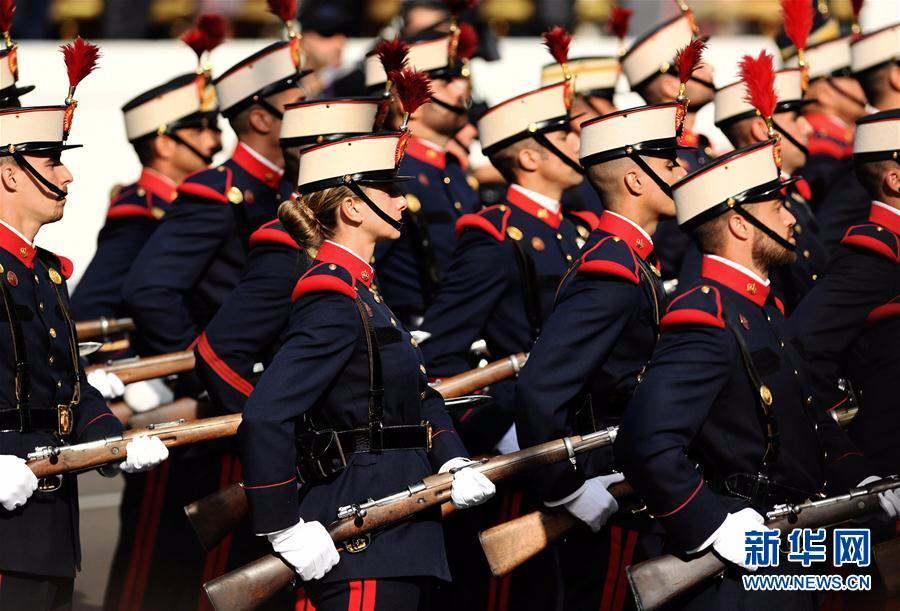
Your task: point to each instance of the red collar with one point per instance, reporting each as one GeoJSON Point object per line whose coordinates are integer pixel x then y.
{"type": "Point", "coordinates": [16, 246]}
{"type": "Point", "coordinates": [525, 204]}
{"type": "Point", "coordinates": [827, 125]}
{"type": "Point", "coordinates": [157, 184]}
{"type": "Point", "coordinates": [256, 168]}
{"type": "Point", "coordinates": [361, 271]}
{"type": "Point", "coordinates": [417, 149]}
{"type": "Point", "coordinates": [638, 242]}
{"type": "Point", "coordinates": [735, 279]}
{"type": "Point", "coordinates": [885, 218]}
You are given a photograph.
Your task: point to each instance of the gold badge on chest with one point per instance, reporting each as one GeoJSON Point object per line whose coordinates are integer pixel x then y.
{"type": "Point", "coordinates": [54, 276]}
{"type": "Point", "coordinates": [235, 196]}
{"type": "Point", "coordinates": [514, 232]}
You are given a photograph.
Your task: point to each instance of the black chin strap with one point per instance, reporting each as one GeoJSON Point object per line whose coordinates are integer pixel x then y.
{"type": "Point", "coordinates": [843, 92]}
{"type": "Point", "coordinates": [790, 138]}
{"type": "Point", "coordinates": [457, 110]}
{"type": "Point", "coordinates": [765, 229]}
{"type": "Point", "coordinates": [207, 159]}
{"type": "Point", "coordinates": [20, 159]}
{"type": "Point", "coordinates": [384, 216]}
{"type": "Point", "coordinates": [663, 185]}
{"type": "Point", "coordinates": [265, 105]}
{"type": "Point", "coordinates": [545, 142]}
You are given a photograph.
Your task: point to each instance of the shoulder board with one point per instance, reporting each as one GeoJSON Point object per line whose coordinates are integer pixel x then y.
{"type": "Point", "coordinates": [585, 217]}
{"type": "Point", "coordinates": [62, 264]}
{"type": "Point", "coordinates": [325, 277]}
{"type": "Point", "coordinates": [129, 201]}
{"type": "Point", "coordinates": [701, 305]}
{"type": "Point", "coordinates": [492, 221]}
{"type": "Point", "coordinates": [212, 184]}
{"type": "Point", "coordinates": [272, 232]}
{"type": "Point", "coordinates": [884, 312]}
{"type": "Point", "coordinates": [611, 256]}
{"type": "Point", "coordinates": [821, 143]}
{"type": "Point", "coordinates": [874, 238]}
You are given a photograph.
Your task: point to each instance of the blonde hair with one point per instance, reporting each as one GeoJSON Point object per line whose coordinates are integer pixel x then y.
{"type": "Point", "coordinates": [312, 217]}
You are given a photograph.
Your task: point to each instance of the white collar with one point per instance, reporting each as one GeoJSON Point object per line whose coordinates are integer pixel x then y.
{"type": "Point", "coordinates": [17, 232]}
{"type": "Point", "coordinates": [539, 198]}
{"type": "Point", "coordinates": [884, 206]}
{"type": "Point", "coordinates": [260, 158]}
{"type": "Point", "coordinates": [740, 268]}
{"type": "Point", "coordinates": [431, 145]}
{"type": "Point", "coordinates": [633, 224]}
{"type": "Point", "coordinates": [342, 247]}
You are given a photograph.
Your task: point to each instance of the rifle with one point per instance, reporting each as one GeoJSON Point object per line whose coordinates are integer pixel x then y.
{"type": "Point", "coordinates": [251, 585]}
{"type": "Point", "coordinates": [185, 409]}
{"type": "Point", "coordinates": [845, 414]}
{"type": "Point", "coordinates": [887, 558]}
{"type": "Point", "coordinates": [137, 369]}
{"type": "Point", "coordinates": [49, 461]}
{"type": "Point", "coordinates": [102, 327]}
{"type": "Point", "coordinates": [121, 411]}
{"type": "Point", "coordinates": [661, 580]}
{"type": "Point", "coordinates": [510, 544]}
{"type": "Point", "coordinates": [216, 515]}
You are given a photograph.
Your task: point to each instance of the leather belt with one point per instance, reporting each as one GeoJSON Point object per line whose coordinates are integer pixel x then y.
{"type": "Point", "coordinates": [56, 420]}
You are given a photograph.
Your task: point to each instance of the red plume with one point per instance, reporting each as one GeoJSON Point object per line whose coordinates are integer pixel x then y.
{"type": "Point", "coordinates": [208, 34]}
{"type": "Point", "coordinates": [7, 8]}
{"type": "Point", "coordinates": [413, 89]}
{"type": "Point", "coordinates": [798, 20]}
{"type": "Point", "coordinates": [557, 41]}
{"type": "Point", "coordinates": [285, 10]}
{"type": "Point", "coordinates": [81, 59]}
{"type": "Point", "coordinates": [758, 75]}
{"type": "Point", "coordinates": [687, 60]}
{"type": "Point", "coordinates": [393, 54]}
{"type": "Point", "coordinates": [457, 7]}
{"type": "Point", "coordinates": [618, 21]}
{"type": "Point", "coordinates": [856, 7]}
{"type": "Point", "coordinates": [468, 41]}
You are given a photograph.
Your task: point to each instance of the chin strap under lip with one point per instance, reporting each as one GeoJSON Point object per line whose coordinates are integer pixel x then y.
{"type": "Point", "coordinates": [358, 191]}
{"type": "Point", "coordinates": [544, 141]}
{"type": "Point", "coordinates": [764, 228]}
{"type": "Point", "coordinates": [457, 110]}
{"type": "Point", "coordinates": [207, 159]}
{"type": "Point", "coordinates": [843, 92]}
{"type": "Point", "coordinates": [790, 138]}
{"type": "Point", "coordinates": [663, 185]}
{"type": "Point", "coordinates": [20, 159]}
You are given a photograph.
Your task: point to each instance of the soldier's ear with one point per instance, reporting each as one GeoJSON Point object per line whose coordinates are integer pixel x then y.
{"type": "Point", "coordinates": [9, 177]}
{"type": "Point", "coordinates": [164, 147]}
{"type": "Point", "coordinates": [528, 159]}
{"type": "Point", "coordinates": [739, 227]}
{"type": "Point", "coordinates": [259, 119]}
{"type": "Point", "coordinates": [633, 183]}
{"type": "Point", "coordinates": [892, 181]}
{"type": "Point", "coordinates": [759, 132]}
{"type": "Point", "coordinates": [668, 87]}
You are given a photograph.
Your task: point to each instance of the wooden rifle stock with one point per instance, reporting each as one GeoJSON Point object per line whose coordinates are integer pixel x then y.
{"type": "Point", "coordinates": [250, 586]}
{"type": "Point", "coordinates": [102, 327]}
{"type": "Point", "coordinates": [887, 559]}
{"type": "Point", "coordinates": [844, 415]}
{"type": "Point", "coordinates": [56, 460]}
{"type": "Point", "coordinates": [212, 522]}
{"type": "Point", "coordinates": [186, 409]}
{"type": "Point", "coordinates": [121, 411]}
{"type": "Point", "coordinates": [662, 580]}
{"type": "Point", "coordinates": [510, 544]}
{"type": "Point", "coordinates": [147, 368]}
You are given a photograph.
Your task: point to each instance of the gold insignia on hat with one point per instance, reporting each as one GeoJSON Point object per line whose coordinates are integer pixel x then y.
{"type": "Point", "coordinates": [412, 203]}
{"type": "Point", "coordinates": [54, 276]}
{"type": "Point", "coordinates": [235, 196]}
{"type": "Point", "coordinates": [537, 243]}
{"type": "Point", "coordinates": [514, 232]}
{"type": "Point", "coordinates": [765, 394]}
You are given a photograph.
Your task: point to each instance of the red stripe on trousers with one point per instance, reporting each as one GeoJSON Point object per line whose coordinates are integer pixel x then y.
{"type": "Point", "coordinates": [612, 568]}
{"type": "Point", "coordinates": [354, 601]}
{"type": "Point", "coordinates": [368, 601]}
{"type": "Point", "coordinates": [621, 588]}
{"type": "Point", "coordinates": [303, 603]}
{"type": "Point", "coordinates": [152, 529]}
{"type": "Point", "coordinates": [515, 510]}
{"type": "Point", "coordinates": [151, 487]}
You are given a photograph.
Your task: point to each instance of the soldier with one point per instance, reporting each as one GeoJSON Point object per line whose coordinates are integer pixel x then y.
{"type": "Point", "coordinates": [597, 341]}
{"type": "Point", "coordinates": [349, 369]}
{"type": "Point", "coordinates": [743, 126]}
{"type": "Point", "coordinates": [46, 400]}
{"type": "Point", "coordinates": [845, 326]}
{"type": "Point", "coordinates": [182, 275]}
{"type": "Point", "coordinates": [10, 91]}
{"type": "Point", "coordinates": [724, 425]}
{"type": "Point", "coordinates": [874, 65]}
{"type": "Point", "coordinates": [650, 67]}
{"type": "Point", "coordinates": [173, 129]}
{"type": "Point", "coordinates": [411, 268]}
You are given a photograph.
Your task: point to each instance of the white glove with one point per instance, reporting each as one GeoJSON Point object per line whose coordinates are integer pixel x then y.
{"type": "Point", "coordinates": [109, 384]}
{"type": "Point", "coordinates": [143, 453]}
{"type": "Point", "coordinates": [308, 547]}
{"type": "Point", "coordinates": [889, 499]}
{"type": "Point", "coordinates": [147, 394]}
{"type": "Point", "coordinates": [17, 482]}
{"type": "Point", "coordinates": [730, 538]}
{"type": "Point", "coordinates": [470, 487]}
{"type": "Point", "coordinates": [594, 504]}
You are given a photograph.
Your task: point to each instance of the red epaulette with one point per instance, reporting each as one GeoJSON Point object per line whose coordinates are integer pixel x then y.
{"type": "Point", "coordinates": [874, 238]}
{"type": "Point", "coordinates": [591, 220]}
{"type": "Point", "coordinates": [209, 184]}
{"type": "Point", "coordinates": [272, 232]}
{"type": "Point", "coordinates": [63, 263]}
{"type": "Point", "coordinates": [492, 221]}
{"type": "Point", "coordinates": [129, 201]}
{"type": "Point", "coordinates": [611, 256]}
{"type": "Point", "coordinates": [885, 312]}
{"type": "Point", "coordinates": [701, 305]}
{"type": "Point", "coordinates": [325, 277]}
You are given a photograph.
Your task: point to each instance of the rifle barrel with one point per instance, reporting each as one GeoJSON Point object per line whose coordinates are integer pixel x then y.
{"type": "Point", "coordinates": [102, 327]}
{"type": "Point", "coordinates": [146, 368]}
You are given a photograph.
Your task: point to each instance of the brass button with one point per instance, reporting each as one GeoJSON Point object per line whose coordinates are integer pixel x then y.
{"type": "Point", "coordinates": [332, 266]}
{"type": "Point", "coordinates": [393, 322]}
{"type": "Point", "coordinates": [568, 257]}
{"type": "Point", "coordinates": [796, 373]}
{"type": "Point", "coordinates": [422, 368]}
{"type": "Point", "coordinates": [141, 192]}
{"type": "Point", "coordinates": [58, 384]}
{"type": "Point", "coordinates": [809, 400]}
{"type": "Point", "coordinates": [52, 359]}
{"type": "Point", "coordinates": [412, 340]}
{"type": "Point", "coordinates": [558, 236]}
{"type": "Point", "coordinates": [41, 306]}
{"type": "Point", "coordinates": [457, 205]}
{"type": "Point", "coordinates": [377, 299]}
{"type": "Point", "coordinates": [52, 332]}
{"type": "Point", "coordinates": [36, 279]}
{"type": "Point", "coordinates": [422, 395]}
{"type": "Point", "coordinates": [446, 180]}
{"type": "Point", "coordinates": [806, 253]}
{"type": "Point", "coordinates": [704, 289]}
{"type": "Point", "coordinates": [815, 276]}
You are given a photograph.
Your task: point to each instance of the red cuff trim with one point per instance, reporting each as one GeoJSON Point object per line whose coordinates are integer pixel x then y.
{"type": "Point", "coordinates": [261, 486]}
{"type": "Point", "coordinates": [884, 312]}
{"type": "Point", "coordinates": [312, 284]}
{"type": "Point", "coordinates": [198, 190]}
{"type": "Point", "coordinates": [128, 210]}
{"type": "Point", "coordinates": [266, 235]}
{"type": "Point", "coordinates": [690, 317]}
{"type": "Point", "coordinates": [610, 268]}
{"type": "Point", "coordinates": [872, 244]}
{"type": "Point", "coordinates": [680, 507]}
{"type": "Point", "coordinates": [95, 419]}
{"type": "Point", "coordinates": [592, 220]}
{"type": "Point", "coordinates": [476, 221]}
{"type": "Point", "coordinates": [222, 369]}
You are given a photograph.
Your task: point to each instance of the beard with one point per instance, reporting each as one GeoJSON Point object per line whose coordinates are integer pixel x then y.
{"type": "Point", "coordinates": [770, 255]}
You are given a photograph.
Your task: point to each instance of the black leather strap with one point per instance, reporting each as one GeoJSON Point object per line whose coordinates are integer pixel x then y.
{"type": "Point", "coordinates": [530, 289]}
{"type": "Point", "coordinates": [403, 437]}
{"type": "Point", "coordinates": [376, 381]}
{"type": "Point", "coordinates": [43, 419]}
{"type": "Point", "coordinates": [72, 338]}
{"type": "Point", "coordinates": [426, 259]}
{"type": "Point", "coordinates": [22, 381]}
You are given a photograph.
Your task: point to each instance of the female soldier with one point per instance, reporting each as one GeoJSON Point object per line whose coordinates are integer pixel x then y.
{"type": "Point", "coordinates": [345, 406]}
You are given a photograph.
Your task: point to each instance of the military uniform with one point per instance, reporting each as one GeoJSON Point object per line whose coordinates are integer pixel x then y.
{"type": "Point", "coordinates": [830, 142]}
